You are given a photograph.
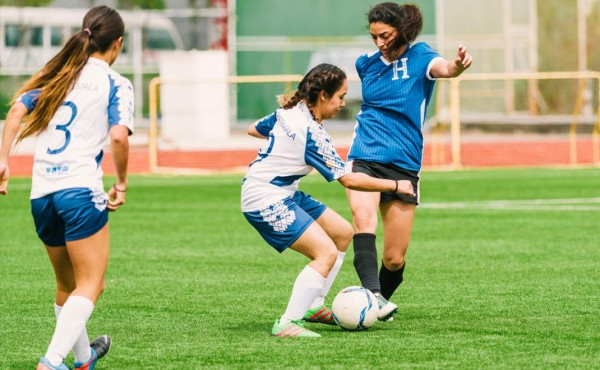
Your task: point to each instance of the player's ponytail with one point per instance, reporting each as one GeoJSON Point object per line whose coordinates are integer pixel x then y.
{"type": "Point", "coordinates": [324, 77]}
{"type": "Point", "coordinates": [289, 101]}
{"type": "Point", "coordinates": [101, 27]}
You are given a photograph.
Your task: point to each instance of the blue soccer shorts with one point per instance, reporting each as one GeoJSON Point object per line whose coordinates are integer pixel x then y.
{"type": "Point", "coordinates": [282, 223]}
{"type": "Point", "coordinates": [70, 214]}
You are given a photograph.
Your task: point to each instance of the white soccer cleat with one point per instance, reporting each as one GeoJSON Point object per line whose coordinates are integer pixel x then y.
{"type": "Point", "coordinates": [386, 309]}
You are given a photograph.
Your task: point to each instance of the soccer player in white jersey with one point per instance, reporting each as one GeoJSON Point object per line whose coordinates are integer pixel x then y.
{"type": "Point", "coordinates": [74, 103]}
{"type": "Point", "coordinates": [397, 82]}
{"type": "Point", "coordinates": [288, 218]}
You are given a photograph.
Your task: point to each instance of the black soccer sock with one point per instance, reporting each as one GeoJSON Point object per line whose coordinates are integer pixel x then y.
{"type": "Point", "coordinates": [365, 261]}
{"type": "Point", "coordinates": [390, 280]}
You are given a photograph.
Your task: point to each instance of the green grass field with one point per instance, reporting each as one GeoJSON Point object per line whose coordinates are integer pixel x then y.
{"type": "Point", "coordinates": [503, 272]}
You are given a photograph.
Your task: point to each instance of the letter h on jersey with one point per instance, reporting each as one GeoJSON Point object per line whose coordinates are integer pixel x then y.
{"type": "Point", "coordinates": [404, 69]}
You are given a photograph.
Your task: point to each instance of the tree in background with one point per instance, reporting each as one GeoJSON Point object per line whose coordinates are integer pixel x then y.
{"type": "Point", "coordinates": [593, 42]}
{"type": "Point", "coordinates": [557, 36]}
{"type": "Point", "coordinates": [23, 3]}
{"type": "Point", "coordinates": [593, 38]}
{"type": "Point", "coordinates": [121, 4]}
{"type": "Point", "coordinates": [140, 4]}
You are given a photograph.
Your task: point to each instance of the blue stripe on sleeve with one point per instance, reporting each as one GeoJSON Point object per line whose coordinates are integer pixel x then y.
{"type": "Point", "coordinates": [285, 180]}
{"type": "Point", "coordinates": [30, 99]}
{"type": "Point", "coordinates": [265, 124]}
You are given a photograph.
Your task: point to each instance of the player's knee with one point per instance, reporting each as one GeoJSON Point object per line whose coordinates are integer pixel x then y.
{"type": "Point", "coordinates": [393, 263]}
{"type": "Point", "coordinates": [364, 221]}
{"type": "Point", "coordinates": [327, 258]}
{"type": "Point", "coordinates": [344, 237]}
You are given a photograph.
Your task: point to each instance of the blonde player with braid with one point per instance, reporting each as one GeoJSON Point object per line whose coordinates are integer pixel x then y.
{"type": "Point", "coordinates": [73, 104]}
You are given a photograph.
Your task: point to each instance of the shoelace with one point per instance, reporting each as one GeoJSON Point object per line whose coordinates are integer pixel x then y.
{"type": "Point", "coordinates": [381, 301]}
{"type": "Point", "coordinates": [300, 323]}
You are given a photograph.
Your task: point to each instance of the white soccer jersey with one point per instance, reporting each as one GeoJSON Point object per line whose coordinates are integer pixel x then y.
{"type": "Point", "coordinates": [69, 152]}
{"type": "Point", "coordinates": [296, 144]}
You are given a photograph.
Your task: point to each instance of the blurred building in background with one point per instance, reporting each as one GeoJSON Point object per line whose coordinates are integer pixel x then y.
{"type": "Point", "coordinates": [268, 37]}
{"type": "Point", "coordinates": [194, 19]}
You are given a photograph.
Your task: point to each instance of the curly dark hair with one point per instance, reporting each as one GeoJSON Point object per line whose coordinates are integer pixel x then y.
{"type": "Point", "coordinates": [324, 77]}
{"type": "Point", "coordinates": [406, 19]}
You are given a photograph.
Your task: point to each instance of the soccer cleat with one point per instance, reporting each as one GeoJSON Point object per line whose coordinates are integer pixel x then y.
{"type": "Point", "coordinates": [321, 315]}
{"type": "Point", "coordinates": [294, 329]}
{"type": "Point", "coordinates": [89, 364]}
{"type": "Point", "coordinates": [100, 347]}
{"type": "Point", "coordinates": [386, 309]}
{"type": "Point", "coordinates": [44, 364]}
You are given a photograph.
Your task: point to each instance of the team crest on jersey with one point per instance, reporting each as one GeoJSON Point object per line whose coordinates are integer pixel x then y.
{"type": "Point", "coordinates": [403, 68]}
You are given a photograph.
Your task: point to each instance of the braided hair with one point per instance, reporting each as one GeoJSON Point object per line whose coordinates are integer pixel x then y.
{"type": "Point", "coordinates": [324, 77]}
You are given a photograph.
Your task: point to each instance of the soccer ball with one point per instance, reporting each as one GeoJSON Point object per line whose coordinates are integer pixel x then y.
{"type": "Point", "coordinates": [355, 308]}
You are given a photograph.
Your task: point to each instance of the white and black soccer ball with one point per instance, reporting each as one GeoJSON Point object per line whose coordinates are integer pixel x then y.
{"type": "Point", "coordinates": [355, 308]}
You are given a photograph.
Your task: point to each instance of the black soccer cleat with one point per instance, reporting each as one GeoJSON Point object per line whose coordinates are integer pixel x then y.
{"type": "Point", "coordinates": [101, 345]}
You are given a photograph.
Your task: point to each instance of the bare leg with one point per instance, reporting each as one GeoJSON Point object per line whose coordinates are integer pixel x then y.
{"type": "Point", "coordinates": [398, 220]}
{"type": "Point", "coordinates": [65, 284]}
{"type": "Point", "coordinates": [340, 231]}
{"type": "Point", "coordinates": [88, 259]}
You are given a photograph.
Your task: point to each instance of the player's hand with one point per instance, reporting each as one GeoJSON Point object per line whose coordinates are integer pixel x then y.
{"type": "Point", "coordinates": [3, 179]}
{"type": "Point", "coordinates": [405, 187]}
{"type": "Point", "coordinates": [116, 197]}
{"type": "Point", "coordinates": [463, 58]}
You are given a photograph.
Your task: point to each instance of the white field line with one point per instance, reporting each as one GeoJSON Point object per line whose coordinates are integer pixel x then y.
{"type": "Point", "coordinates": [573, 204]}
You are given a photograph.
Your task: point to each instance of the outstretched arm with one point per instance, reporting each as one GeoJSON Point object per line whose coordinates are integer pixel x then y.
{"type": "Point", "coordinates": [364, 182]}
{"type": "Point", "coordinates": [453, 68]}
{"type": "Point", "coordinates": [11, 126]}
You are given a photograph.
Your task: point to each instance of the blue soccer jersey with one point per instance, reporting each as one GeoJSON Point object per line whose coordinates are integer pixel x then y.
{"type": "Point", "coordinates": [296, 145]}
{"type": "Point", "coordinates": [69, 151]}
{"type": "Point", "coordinates": [395, 98]}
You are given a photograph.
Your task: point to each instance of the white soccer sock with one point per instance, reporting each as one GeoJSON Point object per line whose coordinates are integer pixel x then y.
{"type": "Point", "coordinates": [307, 287]}
{"type": "Point", "coordinates": [70, 326]}
{"type": "Point", "coordinates": [81, 350]}
{"type": "Point", "coordinates": [320, 300]}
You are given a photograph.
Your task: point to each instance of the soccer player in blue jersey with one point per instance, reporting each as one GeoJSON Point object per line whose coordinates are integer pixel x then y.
{"type": "Point", "coordinates": [288, 218]}
{"type": "Point", "coordinates": [74, 103]}
{"type": "Point", "coordinates": [397, 82]}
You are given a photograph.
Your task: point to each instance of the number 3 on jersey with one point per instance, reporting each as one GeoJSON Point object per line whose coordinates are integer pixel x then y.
{"type": "Point", "coordinates": [65, 128]}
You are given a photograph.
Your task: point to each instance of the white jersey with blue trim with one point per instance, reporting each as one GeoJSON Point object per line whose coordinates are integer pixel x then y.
{"type": "Point", "coordinates": [296, 144]}
{"type": "Point", "coordinates": [395, 98]}
{"type": "Point", "coordinates": [69, 151]}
